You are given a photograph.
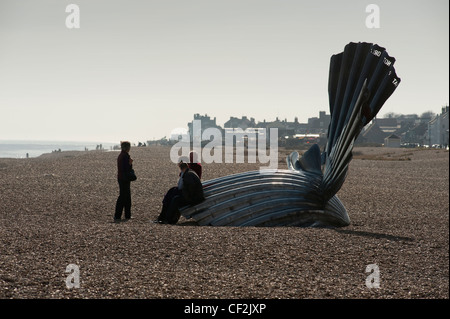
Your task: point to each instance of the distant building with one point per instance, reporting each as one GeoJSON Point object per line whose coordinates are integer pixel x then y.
{"type": "Point", "coordinates": [314, 131]}
{"type": "Point", "coordinates": [372, 134]}
{"type": "Point", "coordinates": [392, 141]}
{"type": "Point", "coordinates": [409, 128]}
{"type": "Point", "coordinates": [416, 134]}
{"type": "Point", "coordinates": [320, 124]}
{"type": "Point", "coordinates": [438, 129]}
{"type": "Point", "coordinates": [205, 122]}
{"type": "Point", "coordinates": [315, 125]}
{"type": "Point", "coordinates": [281, 126]}
{"type": "Point", "coordinates": [242, 123]}
{"type": "Point", "coordinates": [388, 125]}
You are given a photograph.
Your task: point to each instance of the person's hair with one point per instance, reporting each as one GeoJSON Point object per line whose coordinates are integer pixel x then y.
{"type": "Point", "coordinates": [183, 165]}
{"type": "Point", "coordinates": [125, 145]}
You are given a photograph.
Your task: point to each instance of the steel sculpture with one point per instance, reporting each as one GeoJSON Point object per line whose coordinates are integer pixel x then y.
{"type": "Point", "coordinates": [361, 79]}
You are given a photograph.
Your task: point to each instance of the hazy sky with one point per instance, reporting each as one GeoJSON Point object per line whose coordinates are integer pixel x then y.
{"type": "Point", "coordinates": [139, 69]}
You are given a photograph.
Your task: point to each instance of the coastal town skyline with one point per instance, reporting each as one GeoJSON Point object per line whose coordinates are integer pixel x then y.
{"type": "Point", "coordinates": [137, 69]}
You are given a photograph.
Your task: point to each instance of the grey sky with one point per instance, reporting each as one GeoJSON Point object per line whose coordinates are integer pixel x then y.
{"type": "Point", "coordinates": [139, 69]}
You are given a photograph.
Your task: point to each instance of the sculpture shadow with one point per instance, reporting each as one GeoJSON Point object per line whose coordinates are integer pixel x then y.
{"type": "Point", "coordinates": [373, 235]}
{"type": "Point", "coordinates": [338, 230]}
{"type": "Point", "coordinates": [187, 223]}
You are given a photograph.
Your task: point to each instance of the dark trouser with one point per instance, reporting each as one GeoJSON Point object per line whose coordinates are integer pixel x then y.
{"type": "Point", "coordinates": [171, 193]}
{"type": "Point", "coordinates": [124, 200]}
{"type": "Point", "coordinates": [173, 212]}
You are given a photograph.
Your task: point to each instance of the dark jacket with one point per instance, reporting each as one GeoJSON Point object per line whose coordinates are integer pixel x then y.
{"type": "Point", "coordinates": [192, 188]}
{"type": "Point", "coordinates": [197, 168]}
{"type": "Point", "coordinates": [193, 165]}
{"type": "Point", "coordinates": [123, 166]}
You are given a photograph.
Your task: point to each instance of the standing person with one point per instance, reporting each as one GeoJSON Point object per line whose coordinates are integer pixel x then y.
{"type": "Point", "coordinates": [124, 166]}
{"type": "Point", "coordinates": [190, 192]}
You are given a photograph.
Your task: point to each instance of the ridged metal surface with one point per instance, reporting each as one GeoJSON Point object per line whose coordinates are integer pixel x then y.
{"type": "Point", "coordinates": [361, 79]}
{"type": "Point", "coordinates": [267, 198]}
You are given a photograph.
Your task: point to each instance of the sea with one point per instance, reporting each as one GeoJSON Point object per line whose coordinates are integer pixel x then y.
{"type": "Point", "coordinates": [20, 149]}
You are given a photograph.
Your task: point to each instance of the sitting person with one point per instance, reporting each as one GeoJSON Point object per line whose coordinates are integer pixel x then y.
{"type": "Point", "coordinates": [188, 192]}
{"type": "Point", "coordinates": [171, 193]}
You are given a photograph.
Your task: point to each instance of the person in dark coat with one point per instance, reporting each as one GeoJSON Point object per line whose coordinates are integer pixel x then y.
{"type": "Point", "coordinates": [124, 166]}
{"type": "Point", "coordinates": [188, 192]}
{"type": "Point", "coordinates": [194, 164]}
